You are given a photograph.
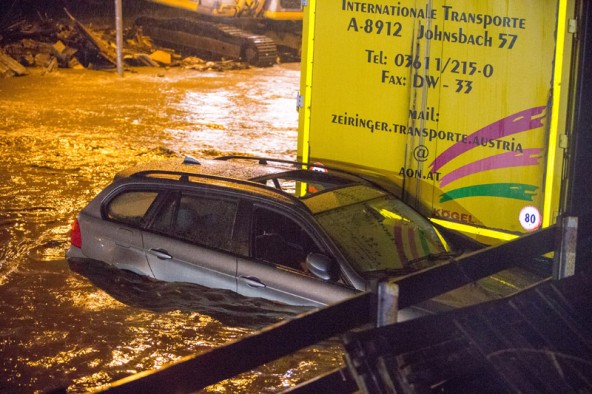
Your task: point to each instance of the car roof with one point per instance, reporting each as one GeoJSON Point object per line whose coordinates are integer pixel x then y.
{"type": "Point", "coordinates": [249, 174]}
{"type": "Point", "coordinates": [234, 169]}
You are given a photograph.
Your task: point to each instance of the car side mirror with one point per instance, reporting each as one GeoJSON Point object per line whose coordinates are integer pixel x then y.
{"type": "Point", "coordinates": [321, 266]}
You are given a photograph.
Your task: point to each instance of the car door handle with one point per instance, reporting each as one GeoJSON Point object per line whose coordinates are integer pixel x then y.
{"type": "Point", "coordinates": [161, 254]}
{"type": "Point", "coordinates": [252, 281]}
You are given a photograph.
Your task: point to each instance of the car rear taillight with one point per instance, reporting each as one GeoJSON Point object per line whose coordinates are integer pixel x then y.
{"type": "Point", "coordinates": [75, 235]}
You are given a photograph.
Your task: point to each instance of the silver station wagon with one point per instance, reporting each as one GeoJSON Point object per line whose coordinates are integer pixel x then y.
{"type": "Point", "coordinates": [275, 229]}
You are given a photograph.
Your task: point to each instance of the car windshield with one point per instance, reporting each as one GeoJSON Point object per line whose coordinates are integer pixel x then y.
{"type": "Point", "coordinates": [376, 231]}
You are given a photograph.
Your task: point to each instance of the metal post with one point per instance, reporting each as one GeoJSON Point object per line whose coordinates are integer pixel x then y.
{"type": "Point", "coordinates": [119, 35]}
{"type": "Point", "coordinates": [388, 303]}
{"type": "Point", "coordinates": [564, 264]}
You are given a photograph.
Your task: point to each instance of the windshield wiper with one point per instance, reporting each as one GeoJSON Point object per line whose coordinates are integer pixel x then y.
{"type": "Point", "coordinates": [371, 211]}
{"type": "Point", "coordinates": [415, 265]}
{"type": "Point", "coordinates": [391, 271]}
{"type": "Point", "coordinates": [412, 264]}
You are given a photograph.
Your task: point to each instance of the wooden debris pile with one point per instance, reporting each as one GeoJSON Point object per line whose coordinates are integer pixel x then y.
{"type": "Point", "coordinates": [69, 43]}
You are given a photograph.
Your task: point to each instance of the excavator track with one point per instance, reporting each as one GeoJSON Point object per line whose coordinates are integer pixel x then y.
{"type": "Point", "coordinates": [220, 40]}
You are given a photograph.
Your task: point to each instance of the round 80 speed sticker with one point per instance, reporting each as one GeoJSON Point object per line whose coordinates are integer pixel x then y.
{"type": "Point", "coordinates": [530, 218]}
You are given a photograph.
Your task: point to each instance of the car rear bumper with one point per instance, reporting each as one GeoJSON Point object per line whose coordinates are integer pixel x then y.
{"type": "Point", "coordinates": [74, 252]}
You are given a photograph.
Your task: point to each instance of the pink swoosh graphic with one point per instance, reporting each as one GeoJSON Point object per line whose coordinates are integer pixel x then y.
{"type": "Point", "coordinates": [529, 157]}
{"type": "Point", "coordinates": [516, 123]}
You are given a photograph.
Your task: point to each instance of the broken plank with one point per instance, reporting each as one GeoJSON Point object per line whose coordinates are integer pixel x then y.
{"type": "Point", "coordinates": [105, 50]}
{"type": "Point", "coordinates": [11, 66]}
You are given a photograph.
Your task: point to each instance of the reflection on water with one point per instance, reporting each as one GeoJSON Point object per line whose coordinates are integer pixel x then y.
{"type": "Point", "coordinates": [62, 138]}
{"type": "Point", "coordinates": [223, 305]}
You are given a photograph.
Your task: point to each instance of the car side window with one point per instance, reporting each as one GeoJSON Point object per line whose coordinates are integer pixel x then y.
{"type": "Point", "coordinates": [279, 240]}
{"type": "Point", "coordinates": [130, 207]}
{"type": "Point", "coordinates": [201, 219]}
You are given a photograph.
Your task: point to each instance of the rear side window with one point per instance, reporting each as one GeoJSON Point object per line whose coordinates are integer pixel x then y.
{"type": "Point", "coordinates": [130, 207]}
{"type": "Point", "coordinates": [201, 219]}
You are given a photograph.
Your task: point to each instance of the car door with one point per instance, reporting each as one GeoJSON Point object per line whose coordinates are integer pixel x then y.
{"type": "Point", "coordinates": [275, 266]}
{"type": "Point", "coordinates": [190, 239]}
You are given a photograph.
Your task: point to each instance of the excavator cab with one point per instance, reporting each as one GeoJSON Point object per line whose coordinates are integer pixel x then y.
{"type": "Point", "coordinates": [283, 10]}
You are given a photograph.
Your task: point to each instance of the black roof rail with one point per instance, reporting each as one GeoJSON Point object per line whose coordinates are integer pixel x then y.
{"type": "Point", "coordinates": [367, 179]}
{"type": "Point", "coordinates": [311, 176]}
{"type": "Point", "coordinates": [266, 160]}
{"type": "Point", "coordinates": [261, 160]}
{"type": "Point", "coordinates": [184, 177]}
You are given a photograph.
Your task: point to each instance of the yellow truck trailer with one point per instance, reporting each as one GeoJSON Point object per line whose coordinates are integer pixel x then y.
{"type": "Point", "coordinates": [462, 104]}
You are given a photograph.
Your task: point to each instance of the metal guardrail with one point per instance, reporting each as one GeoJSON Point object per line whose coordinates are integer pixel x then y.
{"type": "Point", "coordinates": [195, 372]}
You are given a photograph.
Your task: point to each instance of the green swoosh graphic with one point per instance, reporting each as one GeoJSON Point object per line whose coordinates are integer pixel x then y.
{"type": "Point", "coordinates": [516, 191]}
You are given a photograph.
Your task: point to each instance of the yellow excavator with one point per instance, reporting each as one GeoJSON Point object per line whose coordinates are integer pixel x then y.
{"type": "Point", "coordinates": [255, 31]}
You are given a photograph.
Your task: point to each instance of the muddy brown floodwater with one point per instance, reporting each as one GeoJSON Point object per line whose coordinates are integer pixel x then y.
{"type": "Point", "coordinates": [62, 138]}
